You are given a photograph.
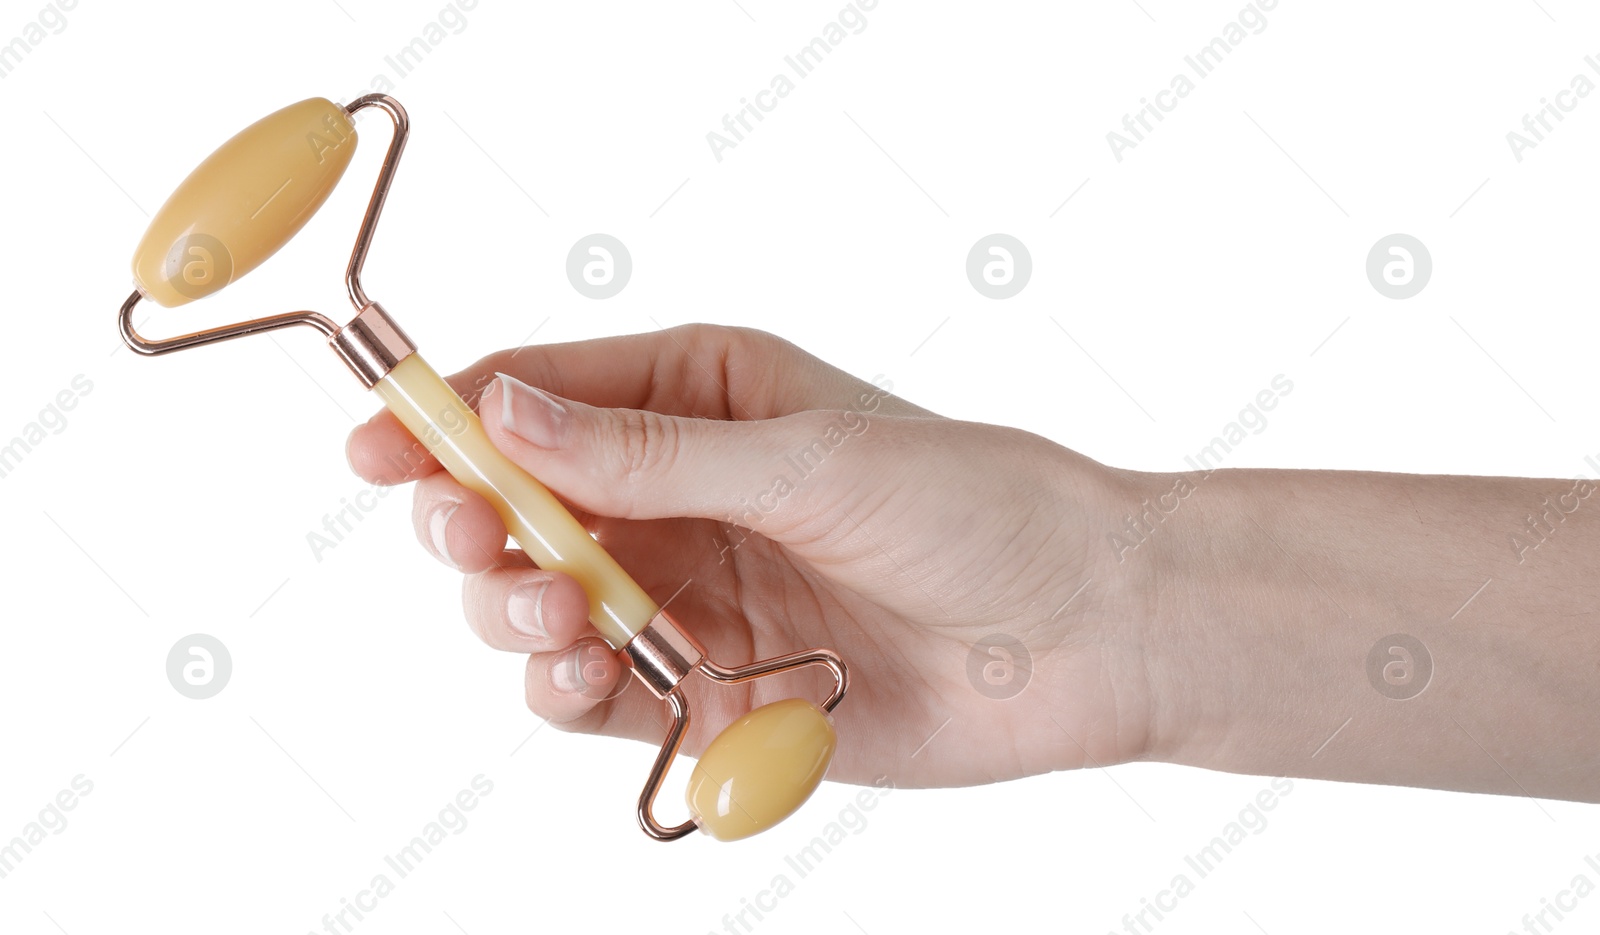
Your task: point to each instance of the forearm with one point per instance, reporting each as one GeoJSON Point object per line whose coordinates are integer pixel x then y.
{"type": "Point", "coordinates": [1267, 591]}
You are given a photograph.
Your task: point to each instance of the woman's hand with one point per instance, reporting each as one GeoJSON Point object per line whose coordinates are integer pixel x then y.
{"type": "Point", "coordinates": [796, 506]}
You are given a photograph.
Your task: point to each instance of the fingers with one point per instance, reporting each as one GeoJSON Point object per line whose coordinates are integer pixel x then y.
{"type": "Point", "coordinates": [568, 686]}
{"type": "Point", "coordinates": [381, 451]}
{"type": "Point", "coordinates": [571, 669]}
{"type": "Point", "coordinates": [637, 464]}
{"type": "Point", "coordinates": [697, 370]}
{"type": "Point", "coordinates": [457, 526]}
{"type": "Point", "coordinates": [573, 677]}
{"type": "Point", "coordinates": [525, 610]}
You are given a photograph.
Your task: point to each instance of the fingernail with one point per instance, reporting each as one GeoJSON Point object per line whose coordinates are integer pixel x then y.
{"type": "Point", "coordinates": [438, 524]}
{"type": "Point", "coordinates": [530, 413]}
{"type": "Point", "coordinates": [567, 675]}
{"type": "Point", "coordinates": [525, 609]}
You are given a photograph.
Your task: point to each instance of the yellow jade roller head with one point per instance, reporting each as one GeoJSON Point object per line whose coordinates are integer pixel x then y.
{"type": "Point", "coordinates": [244, 202]}
{"type": "Point", "coordinates": [248, 199]}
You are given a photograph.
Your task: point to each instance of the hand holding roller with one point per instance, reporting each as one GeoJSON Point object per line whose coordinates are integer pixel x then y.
{"type": "Point", "coordinates": [246, 201]}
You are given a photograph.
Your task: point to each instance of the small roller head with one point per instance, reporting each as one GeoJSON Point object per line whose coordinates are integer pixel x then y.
{"type": "Point", "coordinates": [762, 768]}
{"type": "Point", "coordinates": [244, 202]}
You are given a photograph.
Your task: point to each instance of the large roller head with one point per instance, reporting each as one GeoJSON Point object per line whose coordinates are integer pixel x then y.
{"type": "Point", "coordinates": [244, 202]}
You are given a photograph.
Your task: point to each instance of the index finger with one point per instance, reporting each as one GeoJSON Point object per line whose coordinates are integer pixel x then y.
{"type": "Point", "coordinates": [706, 371]}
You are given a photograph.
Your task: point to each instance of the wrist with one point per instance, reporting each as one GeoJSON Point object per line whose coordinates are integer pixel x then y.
{"type": "Point", "coordinates": [1101, 605]}
{"type": "Point", "coordinates": [1190, 587]}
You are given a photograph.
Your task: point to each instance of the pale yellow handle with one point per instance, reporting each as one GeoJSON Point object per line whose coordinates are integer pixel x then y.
{"type": "Point", "coordinates": [442, 421]}
{"type": "Point", "coordinates": [244, 202]}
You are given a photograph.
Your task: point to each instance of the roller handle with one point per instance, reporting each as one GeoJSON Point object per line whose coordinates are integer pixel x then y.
{"type": "Point", "coordinates": [448, 428]}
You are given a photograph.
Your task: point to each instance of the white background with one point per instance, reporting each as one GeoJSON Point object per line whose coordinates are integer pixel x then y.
{"type": "Point", "coordinates": [1228, 247]}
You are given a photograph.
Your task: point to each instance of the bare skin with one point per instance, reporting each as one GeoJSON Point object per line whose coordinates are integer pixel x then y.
{"type": "Point", "coordinates": [1236, 636]}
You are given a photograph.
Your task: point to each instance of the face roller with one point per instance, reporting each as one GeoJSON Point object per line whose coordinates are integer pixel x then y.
{"type": "Point", "coordinates": [245, 202]}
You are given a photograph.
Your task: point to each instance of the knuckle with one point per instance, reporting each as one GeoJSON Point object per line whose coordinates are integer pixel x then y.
{"type": "Point", "coordinates": [741, 343]}
{"type": "Point", "coordinates": [756, 339]}
{"type": "Point", "coordinates": [719, 342]}
{"type": "Point", "coordinates": [645, 442]}
{"type": "Point", "coordinates": [702, 336]}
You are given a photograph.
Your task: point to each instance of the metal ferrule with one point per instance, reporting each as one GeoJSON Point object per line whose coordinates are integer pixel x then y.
{"type": "Point", "coordinates": [662, 654]}
{"type": "Point", "coordinates": [371, 344]}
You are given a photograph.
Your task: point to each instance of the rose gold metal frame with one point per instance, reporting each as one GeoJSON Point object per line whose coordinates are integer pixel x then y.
{"type": "Point", "coordinates": [662, 656]}
{"type": "Point", "coordinates": [372, 343]}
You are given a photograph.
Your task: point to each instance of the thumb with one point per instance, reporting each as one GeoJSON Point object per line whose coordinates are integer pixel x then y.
{"type": "Point", "coordinates": [636, 464]}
